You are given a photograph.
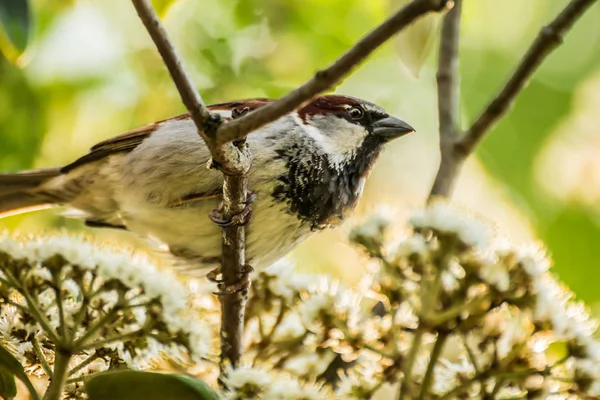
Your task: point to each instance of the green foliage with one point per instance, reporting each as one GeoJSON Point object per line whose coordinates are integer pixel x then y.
{"type": "Point", "coordinates": [137, 385]}
{"type": "Point", "coordinates": [15, 26]}
{"type": "Point", "coordinates": [20, 113]}
{"type": "Point", "coordinates": [162, 6]}
{"type": "Point", "coordinates": [8, 387]}
{"type": "Point", "coordinates": [49, 114]}
{"type": "Point", "coordinates": [11, 367]}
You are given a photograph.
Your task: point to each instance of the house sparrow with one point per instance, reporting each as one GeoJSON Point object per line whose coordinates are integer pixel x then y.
{"type": "Point", "coordinates": [309, 169]}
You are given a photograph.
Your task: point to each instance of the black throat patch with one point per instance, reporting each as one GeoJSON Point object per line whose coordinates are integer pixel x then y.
{"type": "Point", "coordinates": [318, 192]}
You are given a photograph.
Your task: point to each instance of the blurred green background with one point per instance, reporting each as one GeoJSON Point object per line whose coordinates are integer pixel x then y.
{"type": "Point", "coordinates": [91, 72]}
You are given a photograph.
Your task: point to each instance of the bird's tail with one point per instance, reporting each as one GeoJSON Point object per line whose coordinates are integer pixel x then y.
{"type": "Point", "coordinates": [20, 192]}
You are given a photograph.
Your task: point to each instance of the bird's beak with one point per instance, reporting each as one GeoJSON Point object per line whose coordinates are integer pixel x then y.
{"type": "Point", "coordinates": [391, 128]}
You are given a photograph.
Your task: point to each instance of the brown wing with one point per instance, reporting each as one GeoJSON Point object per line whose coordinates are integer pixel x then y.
{"type": "Point", "coordinates": [124, 142]}
{"type": "Point", "coordinates": [131, 139]}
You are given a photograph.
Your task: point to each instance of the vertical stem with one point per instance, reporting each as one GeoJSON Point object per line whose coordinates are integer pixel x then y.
{"type": "Point", "coordinates": [410, 361]}
{"type": "Point", "coordinates": [448, 85]}
{"type": "Point", "coordinates": [59, 375]}
{"type": "Point", "coordinates": [232, 270]}
{"type": "Point", "coordinates": [40, 355]}
{"type": "Point", "coordinates": [62, 329]}
{"type": "Point", "coordinates": [435, 354]}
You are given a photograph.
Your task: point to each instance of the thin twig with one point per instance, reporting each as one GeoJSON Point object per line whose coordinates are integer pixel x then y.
{"type": "Point", "coordinates": [326, 78]}
{"type": "Point", "coordinates": [439, 317]}
{"type": "Point", "coordinates": [410, 360]}
{"type": "Point", "coordinates": [435, 355]}
{"type": "Point", "coordinates": [487, 375]}
{"type": "Point", "coordinates": [80, 315]}
{"type": "Point", "coordinates": [90, 359]}
{"type": "Point", "coordinates": [41, 319]}
{"type": "Point", "coordinates": [80, 343]}
{"type": "Point", "coordinates": [190, 96]}
{"type": "Point", "coordinates": [448, 89]}
{"type": "Point", "coordinates": [33, 309]}
{"type": "Point", "coordinates": [117, 338]}
{"type": "Point", "coordinates": [17, 305]}
{"type": "Point", "coordinates": [40, 355]}
{"type": "Point", "coordinates": [227, 156]}
{"type": "Point", "coordinates": [470, 354]}
{"type": "Point", "coordinates": [57, 287]}
{"type": "Point", "coordinates": [454, 154]}
{"type": "Point", "coordinates": [549, 38]}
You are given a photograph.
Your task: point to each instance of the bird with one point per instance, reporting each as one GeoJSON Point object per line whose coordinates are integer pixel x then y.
{"type": "Point", "coordinates": [308, 173]}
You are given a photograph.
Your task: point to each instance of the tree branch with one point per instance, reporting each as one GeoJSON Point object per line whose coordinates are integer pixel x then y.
{"type": "Point", "coordinates": [235, 161]}
{"type": "Point", "coordinates": [448, 88]}
{"type": "Point", "coordinates": [190, 97]}
{"type": "Point", "coordinates": [455, 149]}
{"type": "Point", "coordinates": [230, 159]}
{"type": "Point", "coordinates": [549, 38]}
{"type": "Point", "coordinates": [326, 78]}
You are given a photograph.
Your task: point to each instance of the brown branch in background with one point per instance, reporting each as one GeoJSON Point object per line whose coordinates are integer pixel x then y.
{"type": "Point", "coordinates": [326, 78]}
{"type": "Point", "coordinates": [549, 38]}
{"type": "Point", "coordinates": [448, 89]}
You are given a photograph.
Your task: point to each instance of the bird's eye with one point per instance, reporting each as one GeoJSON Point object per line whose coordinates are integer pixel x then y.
{"type": "Point", "coordinates": [356, 113]}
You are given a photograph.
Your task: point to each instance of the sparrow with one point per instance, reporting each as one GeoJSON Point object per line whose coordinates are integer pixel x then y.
{"type": "Point", "coordinates": [308, 173]}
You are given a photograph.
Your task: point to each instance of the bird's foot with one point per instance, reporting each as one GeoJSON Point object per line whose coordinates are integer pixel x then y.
{"type": "Point", "coordinates": [240, 219]}
{"type": "Point", "coordinates": [240, 286]}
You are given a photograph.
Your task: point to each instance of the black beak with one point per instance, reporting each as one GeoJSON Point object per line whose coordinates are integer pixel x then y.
{"type": "Point", "coordinates": [390, 128]}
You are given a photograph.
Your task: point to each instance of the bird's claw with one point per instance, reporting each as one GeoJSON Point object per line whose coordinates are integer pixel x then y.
{"type": "Point", "coordinates": [212, 276]}
{"type": "Point", "coordinates": [240, 219]}
{"type": "Point", "coordinates": [240, 286]}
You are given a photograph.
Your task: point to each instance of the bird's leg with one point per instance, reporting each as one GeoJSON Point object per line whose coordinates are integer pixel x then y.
{"type": "Point", "coordinates": [237, 220]}
{"type": "Point", "coordinates": [240, 219]}
{"type": "Point", "coordinates": [240, 286]}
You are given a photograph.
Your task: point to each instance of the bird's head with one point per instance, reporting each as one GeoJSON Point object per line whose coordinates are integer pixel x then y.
{"type": "Point", "coordinates": [345, 127]}
{"type": "Point", "coordinates": [328, 146]}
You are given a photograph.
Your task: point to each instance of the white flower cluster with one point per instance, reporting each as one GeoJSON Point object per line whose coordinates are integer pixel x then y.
{"type": "Point", "coordinates": [452, 313]}
{"type": "Point", "coordinates": [260, 383]}
{"type": "Point", "coordinates": [449, 314]}
{"type": "Point", "coordinates": [108, 307]}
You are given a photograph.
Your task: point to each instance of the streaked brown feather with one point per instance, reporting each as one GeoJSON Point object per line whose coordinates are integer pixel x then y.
{"type": "Point", "coordinates": [129, 140]}
{"type": "Point", "coordinates": [124, 142]}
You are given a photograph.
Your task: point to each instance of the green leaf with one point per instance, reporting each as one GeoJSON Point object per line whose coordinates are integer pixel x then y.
{"type": "Point", "coordinates": [8, 388]}
{"type": "Point", "coordinates": [138, 385]}
{"type": "Point", "coordinates": [415, 42]}
{"type": "Point", "coordinates": [162, 6]}
{"type": "Point", "coordinates": [10, 365]}
{"type": "Point", "coordinates": [15, 26]}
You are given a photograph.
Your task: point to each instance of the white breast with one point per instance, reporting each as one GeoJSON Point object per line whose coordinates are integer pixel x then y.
{"type": "Point", "coordinates": [172, 163]}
